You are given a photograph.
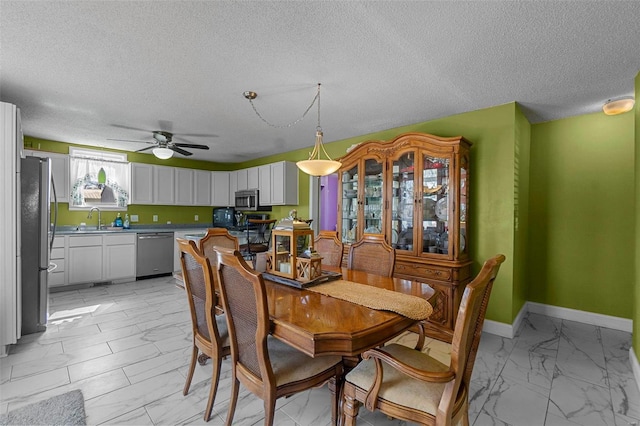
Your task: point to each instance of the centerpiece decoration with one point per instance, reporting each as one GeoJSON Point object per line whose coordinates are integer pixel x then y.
{"type": "Point", "coordinates": [292, 254]}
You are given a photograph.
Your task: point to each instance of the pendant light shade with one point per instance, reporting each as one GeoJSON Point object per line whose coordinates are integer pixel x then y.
{"type": "Point", "coordinates": [618, 106]}
{"type": "Point", "coordinates": [162, 153]}
{"type": "Point", "coordinates": [315, 165]}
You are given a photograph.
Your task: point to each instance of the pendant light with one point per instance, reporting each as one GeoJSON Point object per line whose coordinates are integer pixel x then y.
{"type": "Point", "coordinates": [315, 165]}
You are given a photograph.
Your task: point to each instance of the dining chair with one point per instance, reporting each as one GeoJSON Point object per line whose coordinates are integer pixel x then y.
{"type": "Point", "coordinates": [372, 254]}
{"type": "Point", "coordinates": [410, 385]}
{"type": "Point", "coordinates": [329, 247]}
{"type": "Point", "coordinates": [216, 237]}
{"type": "Point", "coordinates": [261, 241]}
{"type": "Point", "coordinates": [210, 332]}
{"type": "Point", "coordinates": [269, 368]}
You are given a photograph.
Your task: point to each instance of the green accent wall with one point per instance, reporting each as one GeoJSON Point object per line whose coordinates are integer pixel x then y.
{"type": "Point", "coordinates": [521, 191]}
{"type": "Point", "coordinates": [581, 251]}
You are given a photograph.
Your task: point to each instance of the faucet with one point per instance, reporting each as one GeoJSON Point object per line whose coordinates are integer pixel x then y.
{"type": "Point", "coordinates": [99, 216]}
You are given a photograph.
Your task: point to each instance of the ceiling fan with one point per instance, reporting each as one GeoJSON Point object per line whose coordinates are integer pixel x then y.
{"type": "Point", "coordinates": [163, 146]}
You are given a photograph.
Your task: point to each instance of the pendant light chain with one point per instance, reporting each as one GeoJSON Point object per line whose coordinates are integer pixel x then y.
{"type": "Point", "coordinates": [284, 126]}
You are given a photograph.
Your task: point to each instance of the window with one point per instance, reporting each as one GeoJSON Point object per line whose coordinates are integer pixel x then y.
{"type": "Point", "coordinates": [98, 179]}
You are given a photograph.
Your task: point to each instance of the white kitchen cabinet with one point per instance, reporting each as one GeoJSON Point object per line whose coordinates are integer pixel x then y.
{"type": "Point", "coordinates": [220, 189]}
{"type": "Point", "coordinates": [141, 183]}
{"type": "Point", "coordinates": [284, 183]}
{"type": "Point", "coordinates": [264, 184]}
{"type": "Point", "coordinates": [119, 257]}
{"type": "Point", "coordinates": [253, 178]}
{"type": "Point", "coordinates": [58, 276]}
{"type": "Point", "coordinates": [183, 181]}
{"type": "Point", "coordinates": [202, 188]}
{"type": "Point", "coordinates": [85, 259]}
{"type": "Point", "coordinates": [233, 187]}
{"type": "Point", "coordinates": [242, 177]}
{"type": "Point", "coordinates": [59, 171]}
{"type": "Point", "coordinates": [163, 185]}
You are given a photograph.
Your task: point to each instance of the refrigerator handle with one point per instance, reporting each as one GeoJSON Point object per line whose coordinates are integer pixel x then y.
{"type": "Point", "coordinates": [55, 209]}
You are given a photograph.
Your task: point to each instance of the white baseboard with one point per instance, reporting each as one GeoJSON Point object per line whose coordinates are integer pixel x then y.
{"type": "Point", "coordinates": [509, 330]}
{"type": "Point", "coordinates": [600, 320]}
{"type": "Point", "coordinates": [635, 366]}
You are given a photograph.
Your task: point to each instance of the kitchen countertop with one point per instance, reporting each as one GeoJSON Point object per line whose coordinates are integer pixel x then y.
{"type": "Point", "coordinates": [73, 230]}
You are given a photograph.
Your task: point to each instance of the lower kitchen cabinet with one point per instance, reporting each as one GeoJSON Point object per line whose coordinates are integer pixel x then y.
{"type": "Point", "coordinates": [97, 258]}
{"type": "Point", "coordinates": [85, 259]}
{"type": "Point", "coordinates": [58, 276]}
{"type": "Point", "coordinates": [119, 257]}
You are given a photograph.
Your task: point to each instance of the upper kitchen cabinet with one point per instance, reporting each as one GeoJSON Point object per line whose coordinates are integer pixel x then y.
{"type": "Point", "coordinates": [233, 187]}
{"type": "Point", "coordinates": [59, 172]}
{"type": "Point", "coordinates": [242, 179]}
{"type": "Point", "coordinates": [253, 178]}
{"type": "Point", "coordinates": [284, 183]}
{"type": "Point", "coordinates": [220, 188]}
{"type": "Point", "coordinates": [202, 187]}
{"type": "Point", "coordinates": [141, 183]}
{"type": "Point", "coordinates": [163, 185]}
{"type": "Point", "coordinates": [183, 180]}
{"type": "Point", "coordinates": [264, 184]}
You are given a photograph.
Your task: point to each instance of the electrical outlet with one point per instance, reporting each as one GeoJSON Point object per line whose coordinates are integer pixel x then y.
{"type": "Point", "coordinates": [134, 218]}
{"type": "Point", "coordinates": [195, 218]}
{"type": "Point", "coordinates": [155, 217]}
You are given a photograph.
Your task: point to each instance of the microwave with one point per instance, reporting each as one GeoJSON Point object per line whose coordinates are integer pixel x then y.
{"type": "Point", "coordinates": [249, 199]}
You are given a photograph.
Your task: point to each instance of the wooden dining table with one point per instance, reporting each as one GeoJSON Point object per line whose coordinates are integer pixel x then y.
{"type": "Point", "coordinates": [322, 325]}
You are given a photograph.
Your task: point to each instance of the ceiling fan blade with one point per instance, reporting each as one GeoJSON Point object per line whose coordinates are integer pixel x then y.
{"type": "Point", "coordinates": [191, 145]}
{"type": "Point", "coordinates": [129, 140]}
{"type": "Point", "coordinates": [122, 126]}
{"type": "Point", "coordinates": [144, 149]}
{"type": "Point", "coordinates": [179, 150]}
{"type": "Point", "coordinates": [199, 135]}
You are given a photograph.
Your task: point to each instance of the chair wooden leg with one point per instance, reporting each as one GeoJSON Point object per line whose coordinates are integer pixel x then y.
{"type": "Point", "coordinates": [194, 356]}
{"type": "Point", "coordinates": [215, 376]}
{"type": "Point", "coordinates": [269, 410]}
{"type": "Point", "coordinates": [350, 409]}
{"type": "Point", "coordinates": [235, 387]}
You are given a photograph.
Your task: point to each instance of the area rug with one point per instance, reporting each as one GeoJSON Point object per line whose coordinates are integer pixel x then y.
{"type": "Point", "coordinates": [65, 409]}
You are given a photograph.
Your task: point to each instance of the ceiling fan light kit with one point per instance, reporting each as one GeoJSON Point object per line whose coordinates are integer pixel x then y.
{"type": "Point", "coordinates": [618, 106]}
{"type": "Point", "coordinates": [315, 165]}
{"type": "Point", "coordinates": [162, 153]}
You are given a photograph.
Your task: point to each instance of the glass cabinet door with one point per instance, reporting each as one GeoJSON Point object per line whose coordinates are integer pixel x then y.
{"type": "Point", "coordinates": [402, 206]}
{"type": "Point", "coordinates": [349, 213]}
{"type": "Point", "coordinates": [372, 198]}
{"type": "Point", "coordinates": [435, 205]}
{"type": "Point", "coordinates": [464, 190]}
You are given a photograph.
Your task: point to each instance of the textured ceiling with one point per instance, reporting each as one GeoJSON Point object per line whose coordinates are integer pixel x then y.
{"type": "Point", "coordinates": [86, 71]}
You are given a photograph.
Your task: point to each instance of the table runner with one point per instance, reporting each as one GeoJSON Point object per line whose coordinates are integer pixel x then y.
{"type": "Point", "coordinates": [413, 307]}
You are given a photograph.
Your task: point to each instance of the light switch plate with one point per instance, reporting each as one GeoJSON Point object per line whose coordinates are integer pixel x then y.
{"type": "Point", "coordinates": [195, 218]}
{"type": "Point", "coordinates": [155, 217]}
{"type": "Point", "coordinates": [134, 218]}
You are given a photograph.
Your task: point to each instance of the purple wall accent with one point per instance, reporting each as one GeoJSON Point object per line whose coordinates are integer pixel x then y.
{"type": "Point", "coordinates": [329, 202]}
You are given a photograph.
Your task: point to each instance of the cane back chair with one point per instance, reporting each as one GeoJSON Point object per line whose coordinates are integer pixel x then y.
{"type": "Point", "coordinates": [408, 384]}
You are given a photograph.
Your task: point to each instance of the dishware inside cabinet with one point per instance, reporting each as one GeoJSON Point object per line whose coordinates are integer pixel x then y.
{"type": "Point", "coordinates": [435, 204]}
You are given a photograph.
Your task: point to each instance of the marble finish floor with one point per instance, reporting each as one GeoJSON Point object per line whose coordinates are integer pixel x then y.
{"type": "Point", "coordinates": [127, 347]}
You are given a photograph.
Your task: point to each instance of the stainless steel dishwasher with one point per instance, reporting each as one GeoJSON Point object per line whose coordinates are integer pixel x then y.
{"type": "Point", "coordinates": [154, 254]}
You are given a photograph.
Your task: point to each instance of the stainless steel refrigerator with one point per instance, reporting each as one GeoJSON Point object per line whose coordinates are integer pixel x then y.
{"type": "Point", "coordinates": [35, 241]}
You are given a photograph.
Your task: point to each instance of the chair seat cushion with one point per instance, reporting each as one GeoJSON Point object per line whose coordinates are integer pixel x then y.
{"type": "Point", "coordinates": [398, 387]}
{"type": "Point", "coordinates": [290, 365]}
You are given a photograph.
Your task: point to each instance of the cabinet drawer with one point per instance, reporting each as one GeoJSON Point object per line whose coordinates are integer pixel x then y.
{"type": "Point", "coordinates": [56, 278]}
{"type": "Point", "coordinates": [85, 241]}
{"type": "Point", "coordinates": [60, 265]}
{"type": "Point", "coordinates": [57, 253]}
{"type": "Point", "coordinates": [113, 240]}
{"type": "Point", "coordinates": [424, 271]}
{"type": "Point", "coordinates": [58, 241]}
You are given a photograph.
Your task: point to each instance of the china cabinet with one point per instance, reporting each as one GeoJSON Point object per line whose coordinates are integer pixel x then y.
{"type": "Point", "coordinates": [414, 190]}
